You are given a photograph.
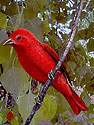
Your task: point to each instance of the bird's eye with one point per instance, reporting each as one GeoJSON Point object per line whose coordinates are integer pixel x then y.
{"type": "Point", "coordinates": [19, 37]}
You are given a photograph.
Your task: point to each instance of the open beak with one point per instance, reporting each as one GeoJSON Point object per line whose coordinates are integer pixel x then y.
{"type": "Point", "coordinates": [8, 42]}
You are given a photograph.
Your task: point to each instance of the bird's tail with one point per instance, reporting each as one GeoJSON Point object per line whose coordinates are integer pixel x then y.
{"type": "Point", "coordinates": [76, 103]}
{"type": "Point", "coordinates": [73, 99]}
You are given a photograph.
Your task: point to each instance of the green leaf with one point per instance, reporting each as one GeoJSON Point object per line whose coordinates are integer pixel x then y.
{"type": "Point", "coordinates": [90, 45]}
{"type": "Point", "coordinates": [90, 110]}
{"type": "Point", "coordinates": [13, 80]}
{"type": "Point", "coordinates": [8, 10]}
{"type": "Point", "coordinates": [81, 71]}
{"type": "Point", "coordinates": [86, 80]}
{"type": "Point", "coordinates": [3, 35]}
{"type": "Point", "coordinates": [85, 98]}
{"type": "Point", "coordinates": [25, 104]}
{"type": "Point", "coordinates": [3, 20]}
{"type": "Point", "coordinates": [4, 53]}
{"type": "Point", "coordinates": [34, 26]}
{"type": "Point", "coordinates": [91, 120]}
{"type": "Point", "coordinates": [80, 50]}
{"type": "Point", "coordinates": [15, 121]}
{"type": "Point", "coordinates": [49, 107]}
{"type": "Point", "coordinates": [72, 65]}
{"type": "Point", "coordinates": [62, 104]}
{"type": "Point", "coordinates": [18, 21]}
{"type": "Point", "coordinates": [90, 88]}
{"type": "Point", "coordinates": [1, 118]}
{"type": "Point", "coordinates": [41, 3]}
{"type": "Point", "coordinates": [91, 62]}
{"type": "Point", "coordinates": [45, 26]}
{"type": "Point", "coordinates": [31, 9]}
{"type": "Point", "coordinates": [65, 116]}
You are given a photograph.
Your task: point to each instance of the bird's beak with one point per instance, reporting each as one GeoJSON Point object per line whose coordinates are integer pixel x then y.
{"type": "Point", "coordinates": [8, 42]}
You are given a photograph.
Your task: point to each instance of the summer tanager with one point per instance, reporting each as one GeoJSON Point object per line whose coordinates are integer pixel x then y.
{"type": "Point", "coordinates": [38, 60]}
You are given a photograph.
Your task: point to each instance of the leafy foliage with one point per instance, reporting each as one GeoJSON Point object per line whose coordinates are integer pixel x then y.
{"type": "Point", "coordinates": [51, 22]}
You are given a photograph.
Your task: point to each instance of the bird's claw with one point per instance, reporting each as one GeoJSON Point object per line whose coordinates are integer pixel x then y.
{"type": "Point", "coordinates": [51, 74]}
{"type": "Point", "coordinates": [58, 72]}
{"type": "Point", "coordinates": [37, 100]}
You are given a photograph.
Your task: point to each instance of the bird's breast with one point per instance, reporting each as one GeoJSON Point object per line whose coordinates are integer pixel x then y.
{"type": "Point", "coordinates": [37, 63]}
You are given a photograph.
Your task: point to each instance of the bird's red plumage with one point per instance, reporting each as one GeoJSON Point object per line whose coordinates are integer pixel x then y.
{"type": "Point", "coordinates": [38, 60]}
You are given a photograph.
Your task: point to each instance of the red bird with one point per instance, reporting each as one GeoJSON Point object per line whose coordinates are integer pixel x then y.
{"type": "Point", "coordinates": [38, 60]}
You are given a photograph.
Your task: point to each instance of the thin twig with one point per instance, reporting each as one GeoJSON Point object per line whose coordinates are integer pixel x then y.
{"type": "Point", "coordinates": [2, 106]}
{"type": "Point", "coordinates": [61, 120]}
{"type": "Point", "coordinates": [6, 98]}
{"type": "Point", "coordinates": [17, 7]}
{"type": "Point", "coordinates": [82, 14]}
{"type": "Point", "coordinates": [60, 61]}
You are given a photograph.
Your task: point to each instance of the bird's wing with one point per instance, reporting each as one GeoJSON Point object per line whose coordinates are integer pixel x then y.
{"type": "Point", "coordinates": [55, 56]}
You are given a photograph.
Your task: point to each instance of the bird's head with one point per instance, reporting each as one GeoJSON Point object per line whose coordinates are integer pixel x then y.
{"type": "Point", "coordinates": [21, 38]}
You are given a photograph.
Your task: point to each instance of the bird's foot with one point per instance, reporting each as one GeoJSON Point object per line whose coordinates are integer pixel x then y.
{"type": "Point", "coordinates": [51, 74]}
{"type": "Point", "coordinates": [37, 100]}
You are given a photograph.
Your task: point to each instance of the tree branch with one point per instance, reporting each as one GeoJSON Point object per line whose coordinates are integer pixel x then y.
{"type": "Point", "coordinates": [60, 61]}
